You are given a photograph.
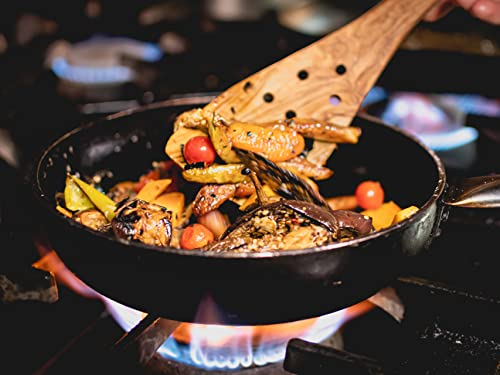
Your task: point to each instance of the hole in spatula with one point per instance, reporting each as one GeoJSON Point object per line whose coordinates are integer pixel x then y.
{"type": "Point", "coordinates": [340, 69]}
{"type": "Point", "coordinates": [247, 86]}
{"type": "Point", "coordinates": [290, 114]}
{"type": "Point", "coordinates": [268, 97]}
{"type": "Point", "coordinates": [335, 100]}
{"type": "Point", "coordinates": [302, 74]}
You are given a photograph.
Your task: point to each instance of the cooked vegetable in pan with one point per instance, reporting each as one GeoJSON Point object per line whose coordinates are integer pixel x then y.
{"type": "Point", "coordinates": [233, 186]}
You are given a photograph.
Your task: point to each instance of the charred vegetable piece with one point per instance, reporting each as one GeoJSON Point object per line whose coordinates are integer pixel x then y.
{"type": "Point", "coordinates": [290, 224]}
{"type": "Point", "coordinates": [145, 222]}
{"type": "Point", "coordinates": [218, 132]}
{"type": "Point", "coordinates": [215, 174]}
{"type": "Point", "coordinates": [276, 144]}
{"type": "Point", "coordinates": [74, 197]}
{"type": "Point", "coordinates": [92, 218]}
{"type": "Point", "coordinates": [100, 200]}
{"type": "Point", "coordinates": [211, 197]}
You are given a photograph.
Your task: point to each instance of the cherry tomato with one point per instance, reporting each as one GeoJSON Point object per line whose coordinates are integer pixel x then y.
{"type": "Point", "coordinates": [196, 236]}
{"type": "Point", "coordinates": [199, 150]}
{"type": "Point", "coordinates": [369, 195]}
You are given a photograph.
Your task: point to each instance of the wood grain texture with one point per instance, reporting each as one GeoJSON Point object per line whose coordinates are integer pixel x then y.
{"type": "Point", "coordinates": [345, 63]}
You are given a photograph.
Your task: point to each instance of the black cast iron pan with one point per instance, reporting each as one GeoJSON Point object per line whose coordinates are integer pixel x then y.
{"type": "Point", "coordinates": [228, 288]}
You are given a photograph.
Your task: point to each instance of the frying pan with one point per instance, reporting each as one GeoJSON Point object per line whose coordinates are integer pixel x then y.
{"type": "Point", "coordinates": [230, 288]}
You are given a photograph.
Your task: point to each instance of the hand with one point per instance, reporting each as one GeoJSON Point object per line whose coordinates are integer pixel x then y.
{"type": "Point", "coordinates": [486, 10]}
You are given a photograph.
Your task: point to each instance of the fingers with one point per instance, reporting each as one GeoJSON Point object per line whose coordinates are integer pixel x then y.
{"type": "Point", "coordinates": [439, 10]}
{"type": "Point", "coordinates": [487, 10]}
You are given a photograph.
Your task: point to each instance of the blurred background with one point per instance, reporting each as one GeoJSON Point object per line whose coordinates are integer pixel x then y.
{"type": "Point", "coordinates": [64, 63]}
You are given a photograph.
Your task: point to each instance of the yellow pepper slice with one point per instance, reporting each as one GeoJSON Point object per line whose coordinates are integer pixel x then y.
{"type": "Point", "coordinates": [74, 197]}
{"type": "Point", "coordinates": [100, 200]}
{"type": "Point", "coordinates": [153, 189]}
{"type": "Point", "coordinates": [404, 214]}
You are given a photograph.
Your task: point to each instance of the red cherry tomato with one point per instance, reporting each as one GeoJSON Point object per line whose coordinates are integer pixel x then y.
{"type": "Point", "coordinates": [369, 195]}
{"type": "Point", "coordinates": [199, 150]}
{"type": "Point", "coordinates": [196, 236]}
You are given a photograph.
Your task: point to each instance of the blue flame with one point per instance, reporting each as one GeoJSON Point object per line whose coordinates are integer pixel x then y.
{"type": "Point", "coordinates": [106, 74]}
{"type": "Point", "coordinates": [240, 353]}
{"type": "Point", "coordinates": [422, 116]}
{"type": "Point", "coordinates": [237, 351]}
{"type": "Point", "coordinates": [91, 75]}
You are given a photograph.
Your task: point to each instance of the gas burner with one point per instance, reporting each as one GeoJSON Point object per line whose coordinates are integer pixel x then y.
{"type": "Point", "coordinates": [99, 61]}
{"type": "Point", "coordinates": [201, 347]}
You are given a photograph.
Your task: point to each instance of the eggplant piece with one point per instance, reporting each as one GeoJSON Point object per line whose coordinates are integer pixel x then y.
{"type": "Point", "coordinates": [148, 223]}
{"type": "Point", "coordinates": [290, 224]}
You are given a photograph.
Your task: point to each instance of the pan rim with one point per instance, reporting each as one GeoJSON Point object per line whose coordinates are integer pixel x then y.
{"type": "Point", "coordinates": [200, 99]}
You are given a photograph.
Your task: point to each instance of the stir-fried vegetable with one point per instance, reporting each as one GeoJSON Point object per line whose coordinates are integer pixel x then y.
{"type": "Point", "coordinates": [74, 197]}
{"type": "Point", "coordinates": [218, 132]}
{"type": "Point", "coordinates": [199, 149]}
{"type": "Point", "coordinates": [383, 216]}
{"type": "Point", "coordinates": [174, 202]}
{"type": "Point", "coordinates": [196, 236]}
{"type": "Point", "coordinates": [370, 195]}
{"type": "Point", "coordinates": [216, 174]}
{"type": "Point", "coordinates": [153, 189]}
{"type": "Point", "coordinates": [226, 163]}
{"type": "Point", "coordinates": [103, 203]}
{"type": "Point", "coordinates": [274, 144]}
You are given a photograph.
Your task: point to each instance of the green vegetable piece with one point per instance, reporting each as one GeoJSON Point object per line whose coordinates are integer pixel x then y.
{"type": "Point", "coordinates": [103, 203]}
{"type": "Point", "coordinates": [74, 197]}
{"type": "Point", "coordinates": [221, 142]}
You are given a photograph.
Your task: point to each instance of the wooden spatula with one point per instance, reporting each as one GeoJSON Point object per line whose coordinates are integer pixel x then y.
{"type": "Point", "coordinates": [328, 79]}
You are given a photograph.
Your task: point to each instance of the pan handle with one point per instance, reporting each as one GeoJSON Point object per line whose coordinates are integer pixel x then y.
{"type": "Point", "coordinates": [475, 192]}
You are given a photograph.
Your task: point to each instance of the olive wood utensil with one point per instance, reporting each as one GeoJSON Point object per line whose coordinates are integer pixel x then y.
{"type": "Point", "coordinates": [328, 79]}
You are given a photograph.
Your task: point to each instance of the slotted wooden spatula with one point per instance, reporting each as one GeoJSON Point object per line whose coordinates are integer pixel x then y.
{"type": "Point", "coordinates": [328, 79]}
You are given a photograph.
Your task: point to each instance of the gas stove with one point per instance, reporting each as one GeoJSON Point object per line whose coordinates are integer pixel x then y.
{"type": "Point", "coordinates": [75, 66]}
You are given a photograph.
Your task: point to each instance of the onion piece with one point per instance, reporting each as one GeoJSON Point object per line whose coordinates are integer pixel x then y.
{"type": "Point", "coordinates": [216, 221]}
